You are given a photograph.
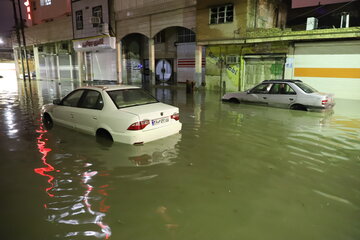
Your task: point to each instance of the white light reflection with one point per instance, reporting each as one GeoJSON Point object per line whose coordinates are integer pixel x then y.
{"type": "Point", "coordinates": [105, 229]}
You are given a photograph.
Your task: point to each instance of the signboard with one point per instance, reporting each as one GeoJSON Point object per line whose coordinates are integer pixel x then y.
{"type": "Point", "coordinates": [28, 9]}
{"type": "Point", "coordinates": [93, 44]}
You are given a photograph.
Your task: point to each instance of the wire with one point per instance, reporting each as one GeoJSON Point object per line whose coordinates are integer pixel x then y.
{"type": "Point", "coordinates": [337, 9]}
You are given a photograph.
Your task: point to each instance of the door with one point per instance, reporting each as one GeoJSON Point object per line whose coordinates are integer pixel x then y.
{"type": "Point", "coordinates": [260, 68]}
{"type": "Point", "coordinates": [281, 95]}
{"type": "Point", "coordinates": [259, 94]}
{"type": "Point", "coordinates": [87, 115]}
{"type": "Point", "coordinates": [64, 113]}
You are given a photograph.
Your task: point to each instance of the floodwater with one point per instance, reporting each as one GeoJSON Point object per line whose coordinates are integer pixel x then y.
{"type": "Point", "coordinates": [235, 172]}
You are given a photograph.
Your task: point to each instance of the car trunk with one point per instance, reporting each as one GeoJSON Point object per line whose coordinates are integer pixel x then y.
{"type": "Point", "coordinates": [158, 114]}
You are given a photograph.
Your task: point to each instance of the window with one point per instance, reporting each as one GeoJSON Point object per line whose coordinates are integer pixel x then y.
{"type": "Point", "coordinates": [97, 12]}
{"type": "Point", "coordinates": [185, 35]}
{"type": "Point", "coordinates": [45, 2]}
{"type": "Point", "coordinates": [79, 20]}
{"type": "Point", "coordinates": [131, 97]}
{"type": "Point", "coordinates": [222, 14]}
{"type": "Point", "coordinates": [92, 100]}
{"type": "Point", "coordinates": [261, 89]}
{"type": "Point", "coordinates": [72, 99]}
{"type": "Point", "coordinates": [282, 88]}
{"type": "Point", "coordinates": [306, 88]}
{"type": "Point", "coordinates": [160, 37]}
{"type": "Point", "coordinates": [33, 4]}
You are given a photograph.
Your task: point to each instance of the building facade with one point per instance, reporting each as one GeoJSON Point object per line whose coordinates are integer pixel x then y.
{"type": "Point", "coordinates": [48, 34]}
{"type": "Point", "coordinates": [249, 41]}
{"type": "Point", "coordinates": [157, 41]}
{"type": "Point", "coordinates": [94, 40]}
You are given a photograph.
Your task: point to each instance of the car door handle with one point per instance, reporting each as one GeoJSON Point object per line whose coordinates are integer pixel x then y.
{"type": "Point", "coordinates": [291, 99]}
{"type": "Point", "coordinates": [94, 118]}
{"type": "Point", "coordinates": [264, 97]}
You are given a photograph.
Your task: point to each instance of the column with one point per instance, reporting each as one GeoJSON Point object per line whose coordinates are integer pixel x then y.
{"type": "Point", "coordinates": [119, 61]}
{"type": "Point", "coordinates": [80, 57]}
{"type": "Point", "coordinates": [198, 66]}
{"type": "Point", "coordinates": [152, 61]}
{"type": "Point", "coordinates": [71, 67]}
{"type": "Point", "coordinates": [57, 61]}
{"type": "Point", "coordinates": [37, 61]}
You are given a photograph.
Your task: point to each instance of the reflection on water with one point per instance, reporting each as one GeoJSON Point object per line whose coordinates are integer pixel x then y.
{"type": "Point", "coordinates": [234, 172]}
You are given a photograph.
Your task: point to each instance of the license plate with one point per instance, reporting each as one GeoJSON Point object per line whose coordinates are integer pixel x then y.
{"type": "Point", "coordinates": [158, 121]}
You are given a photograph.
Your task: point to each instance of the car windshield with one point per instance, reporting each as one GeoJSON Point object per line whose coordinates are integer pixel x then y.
{"type": "Point", "coordinates": [131, 97]}
{"type": "Point", "coordinates": [306, 88]}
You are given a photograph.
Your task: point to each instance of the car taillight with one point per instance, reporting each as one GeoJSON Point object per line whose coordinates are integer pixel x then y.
{"type": "Point", "coordinates": [139, 125]}
{"type": "Point", "coordinates": [175, 116]}
{"type": "Point", "coordinates": [323, 102]}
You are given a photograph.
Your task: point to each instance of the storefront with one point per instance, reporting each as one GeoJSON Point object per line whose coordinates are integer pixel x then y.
{"type": "Point", "coordinates": [99, 54]}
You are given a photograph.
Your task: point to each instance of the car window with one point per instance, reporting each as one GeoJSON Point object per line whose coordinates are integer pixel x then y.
{"type": "Point", "coordinates": [92, 100]}
{"type": "Point", "coordinates": [72, 99]}
{"type": "Point", "coordinates": [306, 88]}
{"type": "Point", "coordinates": [282, 88]}
{"type": "Point", "coordinates": [131, 97]}
{"type": "Point", "coordinates": [261, 89]}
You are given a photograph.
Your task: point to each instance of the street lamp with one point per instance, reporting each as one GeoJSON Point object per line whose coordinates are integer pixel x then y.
{"type": "Point", "coordinates": [1, 41]}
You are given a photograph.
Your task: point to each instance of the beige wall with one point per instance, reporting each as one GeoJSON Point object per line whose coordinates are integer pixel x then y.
{"type": "Point", "coordinates": [233, 30]}
{"type": "Point", "coordinates": [149, 17]}
{"type": "Point", "coordinates": [45, 13]}
{"type": "Point", "coordinates": [55, 31]}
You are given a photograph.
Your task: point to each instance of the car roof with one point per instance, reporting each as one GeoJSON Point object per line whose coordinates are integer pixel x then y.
{"type": "Point", "coordinates": [282, 80]}
{"type": "Point", "coordinates": [111, 87]}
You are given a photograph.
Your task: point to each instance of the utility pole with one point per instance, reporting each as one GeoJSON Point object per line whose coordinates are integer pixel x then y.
{"type": "Point", "coordinates": [23, 36]}
{"type": "Point", "coordinates": [18, 38]}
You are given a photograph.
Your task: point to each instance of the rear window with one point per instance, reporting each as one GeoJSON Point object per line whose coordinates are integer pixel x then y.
{"type": "Point", "coordinates": [131, 97]}
{"type": "Point", "coordinates": [306, 88]}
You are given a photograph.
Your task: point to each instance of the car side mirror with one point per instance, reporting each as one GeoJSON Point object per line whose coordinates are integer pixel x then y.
{"type": "Point", "coordinates": [56, 102]}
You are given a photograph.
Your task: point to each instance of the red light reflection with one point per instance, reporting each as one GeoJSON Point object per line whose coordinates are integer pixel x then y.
{"type": "Point", "coordinates": [41, 144]}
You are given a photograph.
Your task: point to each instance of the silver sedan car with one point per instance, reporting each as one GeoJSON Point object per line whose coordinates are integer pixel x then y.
{"type": "Point", "coordinates": [293, 94]}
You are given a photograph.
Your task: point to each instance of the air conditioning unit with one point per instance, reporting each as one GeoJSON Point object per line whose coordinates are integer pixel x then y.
{"type": "Point", "coordinates": [345, 20]}
{"type": "Point", "coordinates": [232, 59]}
{"type": "Point", "coordinates": [95, 20]}
{"type": "Point", "coordinates": [311, 23]}
{"type": "Point", "coordinates": [105, 29]}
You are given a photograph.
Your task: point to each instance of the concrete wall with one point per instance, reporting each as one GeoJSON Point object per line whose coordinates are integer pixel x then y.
{"type": "Point", "coordinates": [233, 30]}
{"type": "Point", "coordinates": [149, 17]}
{"type": "Point", "coordinates": [46, 13]}
{"type": "Point", "coordinates": [332, 67]}
{"type": "Point", "coordinates": [57, 30]}
{"type": "Point", "coordinates": [86, 6]}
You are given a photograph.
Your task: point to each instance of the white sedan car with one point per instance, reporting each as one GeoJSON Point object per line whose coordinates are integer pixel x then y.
{"type": "Point", "coordinates": [122, 113]}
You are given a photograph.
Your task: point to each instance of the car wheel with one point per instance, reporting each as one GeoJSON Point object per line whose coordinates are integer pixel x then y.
{"type": "Point", "coordinates": [299, 107]}
{"type": "Point", "coordinates": [104, 137]}
{"type": "Point", "coordinates": [234, 100]}
{"type": "Point", "coordinates": [47, 121]}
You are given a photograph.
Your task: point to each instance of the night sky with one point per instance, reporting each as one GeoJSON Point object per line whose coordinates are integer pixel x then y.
{"type": "Point", "coordinates": [6, 17]}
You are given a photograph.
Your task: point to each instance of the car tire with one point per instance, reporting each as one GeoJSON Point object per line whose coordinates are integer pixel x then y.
{"type": "Point", "coordinates": [234, 100]}
{"type": "Point", "coordinates": [103, 136]}
{"type": "Point", "coordinates": [299, 107]}
{"type": "Point", "coordinates": [47, 121]}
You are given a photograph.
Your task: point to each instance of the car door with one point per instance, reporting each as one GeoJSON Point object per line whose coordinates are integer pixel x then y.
{"type": "Point", "coordinates": [64, 112]}
{"type": "Point", "coordinates": [87, 114]}
{"type": "Point", "coordinates": [259, 94]}
{"type": "Point", "coordinates": [281, 95]}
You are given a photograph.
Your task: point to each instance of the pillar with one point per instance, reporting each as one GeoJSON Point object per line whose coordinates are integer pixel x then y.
{"type": "Point", "coordinates": [57, 61]}
{"type": "Point", "coordinates": [71, 67]}
{"type": "Point", "coordinates": [152, 61]}
{"type": "Point", "coordinates": [198, 66]}
{"type": "Point", "coordinates": [119, 61]}
{"type": "Point", "coordinates": [37, 61]}
{"type": "Point", "coordinates": [80, 57]}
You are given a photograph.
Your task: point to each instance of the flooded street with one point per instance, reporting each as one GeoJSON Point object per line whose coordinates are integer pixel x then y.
{"type": "Point", "coordinates": [234, 172]}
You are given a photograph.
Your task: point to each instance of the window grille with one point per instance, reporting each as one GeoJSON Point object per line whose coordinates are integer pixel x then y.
{"type": "Point", "coordinates": [222, 14]}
